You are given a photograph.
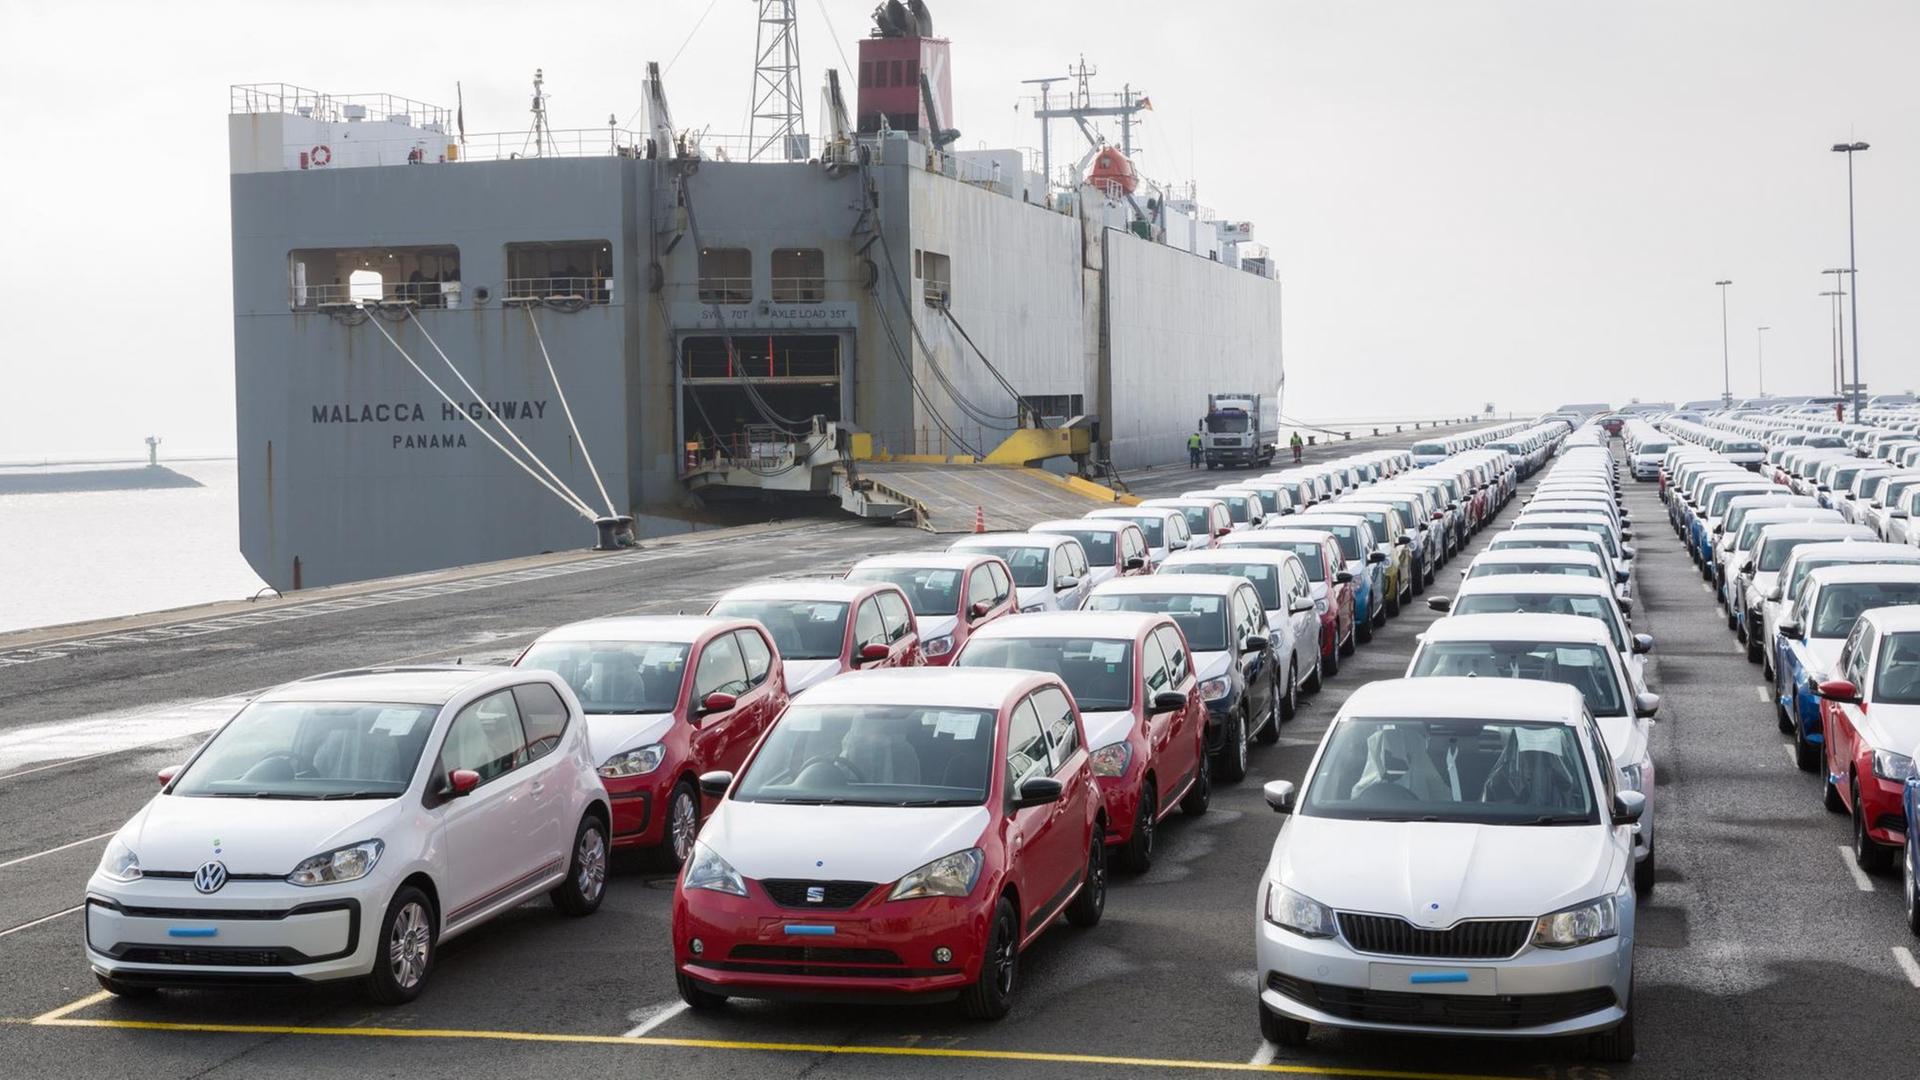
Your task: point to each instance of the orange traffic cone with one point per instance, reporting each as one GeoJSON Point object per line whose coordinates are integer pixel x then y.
{"type": "Point", "coordinates": [979, 520]}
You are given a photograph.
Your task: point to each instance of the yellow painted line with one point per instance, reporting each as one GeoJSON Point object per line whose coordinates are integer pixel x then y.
{"type": "Point", "coordinates": [57, 1019]}
{"type": "Point", "coordinates": [94, 998]}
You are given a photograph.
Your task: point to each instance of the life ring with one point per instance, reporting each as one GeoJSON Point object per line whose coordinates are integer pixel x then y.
{"type": "Point", "coordinates": [320, 155]}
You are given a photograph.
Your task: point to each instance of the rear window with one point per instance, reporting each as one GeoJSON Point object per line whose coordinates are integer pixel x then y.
{"type": "Point", "coordinates": [1586, 668]}
{"type": "Point", "coordinates": [1428, 449]}
{"type": "Point", "coordinates": [1202, 618]}
{"type": "Point", "coordinates": [932, 591]}
{"type": "Point", "coordinates": [1264, 575]}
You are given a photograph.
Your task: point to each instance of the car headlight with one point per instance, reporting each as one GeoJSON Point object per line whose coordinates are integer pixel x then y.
{"type": "Point", "coordinates": [119, 862]}
{"type": "Point", "coordinates": [948, 875]}
{"type": "Point", "coordinates": [1888, 765]}
{"type": "Point", "coordinates": [350, 863]}
{"type": "Point", "coordinates": [1320, 605]}
{"type": "Point", "coordinates": [1633, 777]}
{"type": "Point", "coordinates": [637, 762]}
{"type": "Point", "coordinates": [1593, 921]}
{"type": "Point", "coordinates": [940, 646]}
{"type": "Point", "coordinates": [1301, 914]}
{"type": "Point", "coordinates": [1113, 759]}
{"type": "Point", "coordinates": [707, 870]}
{"type": "Point", "coordinates": [1216, 688]}
{"type": "Point", "coordinates": [1031, 608]}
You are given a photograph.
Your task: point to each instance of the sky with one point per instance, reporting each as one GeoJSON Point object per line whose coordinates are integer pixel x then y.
{"type": "Point", "coordinates": [1522, 202]}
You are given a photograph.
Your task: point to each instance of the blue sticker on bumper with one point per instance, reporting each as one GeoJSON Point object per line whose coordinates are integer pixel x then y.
{"type": "Point", "coordinates": [193, 931]}
{"type": "Point", "coordinates": [807, 930]}
{"type": "Point", "coordinates": [1423, 978]}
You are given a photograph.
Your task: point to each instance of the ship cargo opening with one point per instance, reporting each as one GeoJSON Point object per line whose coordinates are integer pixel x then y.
{"type": "Point", "coordinates": [726, 392]}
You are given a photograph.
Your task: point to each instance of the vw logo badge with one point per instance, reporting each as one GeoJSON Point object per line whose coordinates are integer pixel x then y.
{"type": "Point", "coordinates": [816, 894]}
{"type": "Point", "coordinates": [210, 877]}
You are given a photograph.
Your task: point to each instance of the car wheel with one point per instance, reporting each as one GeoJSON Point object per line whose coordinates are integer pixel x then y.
{"type": "Point", "coordinates": [1346, 647]}
{"type": "Point", "coordinates": [1780, 713]}
{"type": "Point", "coordinates": [1393, 604]}
{"type": "Point", "coordinates": [1362, 630]}
{"type": "Point", "coordinates": [1323, 666]}
{"type": "Point", "coordinates": [1868, 854]}
{"type": "Point", "coordinates": [1830, 798]}
{"type": "Point", "coordinates": [1091, 902]}
{"type": "Point", "coordinates": [1420, 579]}
{"type": "Point", "coordinates": [123, 989]}
{"type": "Point", "coordinates": [403, 953]}
{"type": "Point", "coordinates": [1286, 705]}
{"type": "Point", "coordinates": [586, 883]}
{"type": "Point", "coordinates": [1805, 754]}
{"type": "Point", "coordinates": [683, 824]}
{"type": "Point", "coordinates": [1281, 1030]}
{"type": "Point", "coordinates": [1232, 758]}
{"type": "Point", "coordinates": [697, 998]}
{"type": "Point", "coordinates": [1733, 624]}
{"type": "Point", "coordinates": [991, 995]}
{"type": "Point", "coordinates": [1616, 1044]}
{"type": "Point", "coordinates": [1643, 874]}
{"type": "Point", "coordinates": [1136, 856]}
{"type": "Point", "coordinates": [1913, 891]}
{"type": "Point", "coordinates": [1755, 654]}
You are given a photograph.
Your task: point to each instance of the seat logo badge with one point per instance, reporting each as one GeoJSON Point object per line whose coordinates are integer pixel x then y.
{"type": "Point", "coordinates": [816, 894]}
{"type": "Point", "coordinates": [210, 877]}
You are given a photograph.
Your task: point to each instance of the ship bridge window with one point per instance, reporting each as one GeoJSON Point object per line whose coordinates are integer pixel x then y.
{"type": "Point", "coordinates": [799, 275]}
{"type": "Point", "coordinates": [427, 275]}
{"type": "Point", "coordinates": [726, 275]}
{"type": "Point", "coordinates": [580, 271]}
{"type": "Point", "coordinates": [938, 282]}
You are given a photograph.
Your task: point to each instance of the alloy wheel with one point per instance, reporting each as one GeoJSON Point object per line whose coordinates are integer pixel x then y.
{"type": "Point", "coordinates": [408, 943]}
{"type": "Point", "coordinates": [591, 859]}
{"type": "Point", "coordinates": [683, 821]}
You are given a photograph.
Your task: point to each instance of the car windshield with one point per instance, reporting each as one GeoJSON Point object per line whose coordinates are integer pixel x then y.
{"type": "Point", "coordinates": [1264, 575]}
{"type": "Point", "coordinates": [1838, 605]}
{"type": "Point", "coordinates": [801, 629]}
{"type": "Point", "coordinates": [873, 755]}
{"type": "Point", "coordinates": [312, 750]}
{"type": "Point", "coordinates": [1202, 618]}
{"type": "Point", "coordinates": [1652, 449]}
{"type": "Point", "coordinates": [1097, 542]}
{"type": "Point", "coordinates": [1031, 565]}
{"type": "Point", "coordinates": [1309, 551]}
{"type": "Point", "coordinates": [1593, 607]}
{"type": "Point", "coordinates": [1098, 671]}
{"type": "Point", "coordinates": [1585, 667]}
{"type": "Point", "coordinates": [1745, 448]}
{"type": "Point", "coordinates": [931, 590]}
{"type": "Point", "coordinates": [1484, 568]}
{"type": "Point", "coordinates": [1347, 536]}
{"type": "Point", "coordinates": [1487, 772]}
{"type": "Point", "coordinates": [1154, 528]}
{"type": "Point", "coordinates": [1898, 680]}
{"type": "Point", "coordinates": [616, 676]}
{"type": "Point", "coordinates": [1773, 553]}
{"type": "Point", "coordinates": [1227, 423]}
{"type": "Point", "coordinates": [1546, 545]}
{"type": "Point", "coordinates": [1429, 449]}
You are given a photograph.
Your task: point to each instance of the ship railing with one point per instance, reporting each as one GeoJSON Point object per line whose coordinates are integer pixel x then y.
{"type": "Point", "coordinates": [335, 108]}
{"type": "Point", "coordinates": [758, 449]}
{"type": "Point", "coordinates": [937, 293]}
{"type": "Point", "coordinates": [331, 297]}
{"type": "Point", "coordinates": [559, 142]}
{"type": "Point", "coordinates": [726, 290]}
{"type": "Point", "coordinates": [557, 290]}
{"type": "Point", "coordinates": [799, 290]}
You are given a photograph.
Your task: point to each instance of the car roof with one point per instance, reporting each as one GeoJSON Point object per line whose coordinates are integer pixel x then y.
{"type": "Point", "coordinates": [1063, 624]}
{"type": "Point", "coordinates": [830, 589]}
{"type": "Point", "coordinates": [1859, 572]}
{"type": "Point", "coordinates": [1900, 619]}
{"type": "Point", "coordinates": [1467, 698]}
{"type": "Point", "coordinates": [958, 687]}
{"type": "Point", "coordinates": [1536, 583]}
{"type": "Point", "coordinates": [425, 684]}
{"type": "Point", "coordinates": [1143, 510]}
{"type": "Point", "coordinates": [1866, 551]}
{"type": "Point", "coordinates": [1293, 536]}
{"type": "Point", "coordinates": [1203, 584]}
{"type": "Point", "coordinates": [1544, 534]}
{"type": "Point", "coordinates": [1817, 530]}
{"type": "Point", "coordinates": [1021, 539]}
{"type": "Point", "coordinates": [1533, 555]}
{"type": "Point", "coordinates": [935, 560]}
{"type": "Point", "coordinates": [1330, 516]}
{"type": "Point", "coordinates": [1233, 554]}
{"type": "Point", "coordinates": [1178, 501]}
{"type": "Point", "coordinates": [1102, 524]}
{"type": "Point", "coordinates": [1510, 626]}
{"type": "Point", "coordinates": [676, 628]}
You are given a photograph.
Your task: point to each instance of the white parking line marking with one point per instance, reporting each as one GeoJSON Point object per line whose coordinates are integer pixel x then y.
{"type": "Point", "coordinates": [1793, 756]}
{"type": "Point", "coordinates": [1765, 695]}
{"type": "Point", "coordinates": [1908, 965]}
{"type": "Point", "coordinates": [660, 1016]}
{"type": "Point", "coordinates": [1705, 587]}
{"type": "Point", "coordinates": [1860, 877]}
{"type": "Point", "coordinates": [41, 919]}
{"type": "Point", "coordinates": [1265, 1055]}
{"type": "Point", "coordinates": [51, 850]}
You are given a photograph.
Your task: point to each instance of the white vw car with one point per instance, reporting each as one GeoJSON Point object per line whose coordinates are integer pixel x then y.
{"type": "Point", "coordinates": [344, 826]}
{"type": "Point", "coordinates": [1458, 862]}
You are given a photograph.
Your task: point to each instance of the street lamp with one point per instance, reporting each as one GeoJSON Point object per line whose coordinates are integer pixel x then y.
{"type": "Point", "coordinates": [1726, 367]}
{"type": "Point", "coordinates": [1839, 355]}
{"type": "Point", "coordinates": [1839, 327]}
{"type": "Point", "coordinates": [1760, 359]}
{"type": "Point", "coordinates": [1853, 267]}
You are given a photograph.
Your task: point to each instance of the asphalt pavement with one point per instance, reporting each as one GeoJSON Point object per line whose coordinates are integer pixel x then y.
{"type": "Point", "coordinates": [1760, 954]}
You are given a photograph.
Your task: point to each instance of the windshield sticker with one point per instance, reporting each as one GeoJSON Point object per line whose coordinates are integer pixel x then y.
{"type": "Point", "coordinates": [394, 722]}
{"type": "Point", "coordinates": [1108, 652]}
{"type": "Point", "coordinates": [960, 726]}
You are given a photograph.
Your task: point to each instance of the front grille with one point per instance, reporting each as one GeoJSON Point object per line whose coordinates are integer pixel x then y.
{"type": "Point", "coordinates": [1891, 822]}
{"type": "Point", "coordinates": [1442, 1010]}
{"type": "Point", "coordinates": [792, 892]}
{"type": "Point", "coordinates": [813, 954]}
{"type": "Point", "coordinates": [149, 954]}
{"type": "Point", "coordinates": [1486, 939]}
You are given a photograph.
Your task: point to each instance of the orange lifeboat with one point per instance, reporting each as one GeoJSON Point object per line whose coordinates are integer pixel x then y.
{"type": "Point", "coordinates": [1112, 172]}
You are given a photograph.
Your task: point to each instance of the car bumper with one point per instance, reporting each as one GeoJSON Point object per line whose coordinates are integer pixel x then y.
{"type": "Point", "coordinates": [636, 823]}
{"type": "Point", "coordinates": [160, 932]}
{"type": "Point", "coordinates": [1882, 805]}
{"type": "Point", "coordinates": [1540, 992]}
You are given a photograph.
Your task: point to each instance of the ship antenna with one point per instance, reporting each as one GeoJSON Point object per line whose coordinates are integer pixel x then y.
{"type": "Point", "coordinates": [540, 136]}
{"type": "Point", "coordinates": [778, 128]}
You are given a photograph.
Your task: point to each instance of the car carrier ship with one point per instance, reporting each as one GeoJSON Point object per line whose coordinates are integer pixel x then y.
{"type": "Point", "coordinates": [454, 348]}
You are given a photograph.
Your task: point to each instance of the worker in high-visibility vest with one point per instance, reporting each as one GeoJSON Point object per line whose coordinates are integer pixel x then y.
{"type": "Point", "coordinates": [1296, 444]}
{"type": "Point", "coordinates": [1193, 450]}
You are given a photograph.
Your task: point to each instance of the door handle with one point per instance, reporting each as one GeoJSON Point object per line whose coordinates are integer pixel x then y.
{"type": "Point", "coordinates": [538, 786]}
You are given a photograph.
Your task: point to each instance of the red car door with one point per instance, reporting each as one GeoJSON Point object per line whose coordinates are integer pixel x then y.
{"type": "Point", "coordinates": [765, 694]}
{"type": "Point", "coordinates": [1032, 838]}
{"type": "Point", "coordinates": [1069, 834]}
{"type": "Point", "coordinates": [720, 739]}
{"type": "Point", "coordinates": [903, 642]}
{"type": "Point", "coordinates": [1187, 728]}
{"type": "Point", "coordinates": [1840, 720]}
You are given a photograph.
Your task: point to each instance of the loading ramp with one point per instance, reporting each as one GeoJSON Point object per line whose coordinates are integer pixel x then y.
{"type": "Point", "coordinates": [943, 497]}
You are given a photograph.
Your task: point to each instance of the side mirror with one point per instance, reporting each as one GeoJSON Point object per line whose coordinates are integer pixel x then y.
{"type": "Point", "coordinates": [1642, 643]}
{"type": "Point", "coordinates": [1838, 690]}
{"type": "Point", "coordinates": [1626, 552]}
{"type": "Point", "coordinates": [461, 781]}
{"type": "Point", "coordinates": [1301, 607]}
{"type": "Point", "coordinates": [1403, 541]}
{"type": "Point", "coordinates": [1169, 701]}
{"type": "Point", "coordinates": [1038, 791]}
{"type": "Point", "coordinates": [869, 652]}
{"type": "Point", "coordinates": [1279, 795]}
{"type": "Point", "coordinates": [1377, 557]}
{"type": "Point", "coordinates": [715, 784]}
{"type": "Point", "coordinates": [1620, 577]}
{"type": "Point", "coordinates": [1626, 534]}
{"type": "Point", "coordinates": [718, 702]}
{"type": "Point", "coordinates": [1440, 603]}
{"type": "Point", "coordinates": [1065, 583]}
{"type": "Point", "coordinates": [1343, 578]}
{"type": "Point", "coordinates": [1253, 644]}
{"type": "Point", "coordinates": [1222, 531]}
{"type": "Point", "coordinates": [1746, 567]}
{"type": "Point", "coordinates": [1134, 563]}
{"type": "Point", "coordinates": [979, 609]}
{"type": "Point", "coordinates": [1789, 628]}
{"type": "Point", "coordinates": [1645, 705]}
{"type": "Point", "coordinates": [1628, 806]}
{"type": "Point", "coordinates": [1896, 513]}
{"type": "Point", "coordinates": [167, 774]}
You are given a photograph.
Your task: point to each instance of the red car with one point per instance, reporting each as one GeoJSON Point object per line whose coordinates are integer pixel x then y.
{"type": "Point", "coordinates": [824, 627]}
{"type": "Point", "coordinates": [899, 835]}
{"type": "Point", "coordinates": [1139, 702]}
{"type": "Point", "coordinates": [667, 698]}
{"type": "Point", "coordinates": [940, 586]}
{"type": "Point", "coordinates": [1332, 585]}
{"type": "Point", "coordinates": [1870, 717]}
{"type": "Point", "coordinates": [1114, 548]}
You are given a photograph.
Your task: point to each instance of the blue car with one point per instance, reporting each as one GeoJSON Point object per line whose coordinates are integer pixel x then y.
{"type": "Point", "coordinates": [1911, 864]}
{"type": "Point", "coordinates": [1368, 566]}
{"type": "Point", "coordinates": [1796, 706]}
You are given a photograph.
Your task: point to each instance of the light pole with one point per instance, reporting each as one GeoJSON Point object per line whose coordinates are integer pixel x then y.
{"type": "Point", "coordinates": [1760, 359]}
{"type": "Point", "coordinates": [1853, 267]}
{"type": "Point", "coordinates": [1839, 352]}
{"type": "Point", "coordinates": [1726, 364]}
{"type": "Point", "coordinates": [1839, 327]}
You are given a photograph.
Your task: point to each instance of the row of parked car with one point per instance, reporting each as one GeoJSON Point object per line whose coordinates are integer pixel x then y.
{"type": "Point", "coordinates": [1809, 555]}
{"type": "Point", "coordinates": [1467, 849]}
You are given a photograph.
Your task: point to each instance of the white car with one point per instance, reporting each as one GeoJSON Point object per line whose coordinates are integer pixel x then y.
{"type": "Point", "coordinates": [1244, 507]}
{"type": "Point", "coordinates": [1564, 649]}
{"type": "Point", "coordinates": [1113, 548]}
{"type": "Point", "coordinates": [1293, 619]}
{"type": "Point", "coordinates": [1050, 571]}
{"type": "Point", "coordinates": [1165, 528]}
{"type": "Point", "coordinates": [344, 826]}
{"type": "Point", "coordinates": [1488, 895]}
{"type": "Point", "coordinates": [1802, 561]}
{"type": "Point", "coordinates": [1551, 594]}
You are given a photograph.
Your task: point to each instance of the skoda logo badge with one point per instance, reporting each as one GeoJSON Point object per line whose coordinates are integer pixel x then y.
{"type": "Point", "coordinates": [210, 877]}
{"type": "Point", "coordinates": [816, 894]}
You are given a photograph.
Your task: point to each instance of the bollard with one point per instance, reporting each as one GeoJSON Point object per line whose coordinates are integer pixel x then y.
{"type": "Point", "coordinates": [1311, 438]}
{"type": "Point", "coordinates": [1376, 433]}
{"type": "Point", "coordinates": [1347, 435]}
{"type": "Point", "coordinates": [610, 528]}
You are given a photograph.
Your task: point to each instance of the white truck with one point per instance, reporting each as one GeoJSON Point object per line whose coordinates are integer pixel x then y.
{"type": "Point", "coordinates": [1237, 432]}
